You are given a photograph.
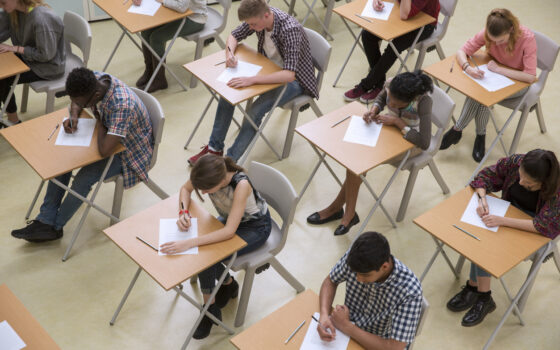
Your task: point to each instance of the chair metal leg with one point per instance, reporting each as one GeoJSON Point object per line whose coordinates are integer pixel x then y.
{"type": "Point", "coordinates": [24, 98]}
{"type": "Point", "coordinates": [197, 55]}
{"type": "Point", "coordinates": [316, 109]}
{"type": "Point", "coordinates": [156, 189]}
{"type": "Point", "coordinates": [117, 199]}
{"type": "Point", "coordinates": [420, 59]}
{"type": "Point", "coordinates": [34, 199]}
{"type": "Point", "coordinates": [407, 193]}
{"type": "Point", "coordinates": [556, 256]}
{"type": "Point", "coordinates": [50, 102]}
{"type": "Point", "coordinates": [519, 130]}
{"type": "Point", "coordinates": [440, 52]}
{"type": "Point", "coordinates": [286, 275]}
{"type": "Point", "coordinates": [290, 132]}
{"type": "Point", "coordinates": [198, 122]}
{"type": "Point", "coordinates": [125, 296]}
{"type": "Point", "coordinates": [540, 116]}
{"type": "Point", "coordinates": [438, 177]}
{"type": "Point", "coordinates": [244, 298]}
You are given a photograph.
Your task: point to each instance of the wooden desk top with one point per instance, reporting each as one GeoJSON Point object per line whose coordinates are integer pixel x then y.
{"type": "Point", "coordinates": [272, 331]}
{"type": "Point", "coordinates": [29, 139]}
{"type": "Point", "coordinates": [461, 82]}
{"type": "Point", "coordinates": [170, 270]}
{"type": "Point", "coordinates": [206, 70]}
{"type": "Point", "coordinates": [386, 30]}
{"type": "Point", "coordinates": [25, 325]}
{"type": "Point", "coordinates": [11, 65]}
{"type": "Point", "coordinates": [134, 22]}
{"type": "Point", "coordinates": [357, 158]}
{"type": "Point", "coordinates": [496, 252]}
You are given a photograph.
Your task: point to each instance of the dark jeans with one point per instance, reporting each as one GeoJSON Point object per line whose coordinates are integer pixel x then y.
{"type": "Point", "coordinates": [381, 63]}
{"type": "Point", "coordinates": [254, 232]}
{"type": "Point", "coordinates": [6, 85]}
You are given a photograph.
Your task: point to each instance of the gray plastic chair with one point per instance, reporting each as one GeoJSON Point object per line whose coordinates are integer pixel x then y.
{"type": "Point", "coordinates": [78, 32]}
{"type": "Point", "coordinates": [158, 119]}
{"type": "Point", "coordinates": [447, 10]}
{"type": "Point", "coordinates": [320, 53]}
{"type": "Point", "coordinates": [280, 195]}
{"type": "Point", "coordinates": [442, 110]}
{"type": "Point", "coordinates": [547, 52]}
{"type": "Point", "coordinates": [423, 314]}
{"type": "Point", "coordinates": [213, 27]}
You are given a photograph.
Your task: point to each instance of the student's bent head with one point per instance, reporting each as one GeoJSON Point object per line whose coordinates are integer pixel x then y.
{"type": "Point", "coordinates": [405, 87]}
{"type": "Point", "coordinates": [80, 83]}
{"type": "Point", "coordinates": [502, 27]}
{"type": "Point", "coordinates": [540, 171]}
{"type": "Point", "coordinates": [254, 13]}
{"type": "Point", "coordinates": [209, 173]}
{"type": "Point", "coordinates": [369, 257]}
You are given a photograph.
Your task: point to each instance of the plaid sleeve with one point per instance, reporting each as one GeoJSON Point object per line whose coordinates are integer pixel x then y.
{"type": "Point", "coordinates": [242, 31]}
{"type": "Point", "coordinates": [405, 319]}
{"type": "Point", "coordinates": [292, 39]}
{"type": "Point", "coordinates": [340, 271]}
{"type": "Point", "coordinates": [117, 122]}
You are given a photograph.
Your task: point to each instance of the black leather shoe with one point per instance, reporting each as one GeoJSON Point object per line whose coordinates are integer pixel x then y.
{"type": "Point", "coordinates": [479, 148]}
{"type": "Point", "coordinates": [203, 329]}
{"type": "Point", "coordinates": [477, 313]}
{"type": "Point", "coordinates": [462, 300]}
{"type": "Point", "coordinates": [451, 137]}
{"type": "Point", "coordinates": [37, 232]}
{"type": "Point", "coordinates": [315, 219]}
{"type": "Point", "coordinates": [227, 292]}
{"type": "Point", "coordinates": [342, 230]}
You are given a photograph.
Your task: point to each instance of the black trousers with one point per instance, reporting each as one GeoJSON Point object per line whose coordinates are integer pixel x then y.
{"type": "Point", "coordinates": [6, 85]}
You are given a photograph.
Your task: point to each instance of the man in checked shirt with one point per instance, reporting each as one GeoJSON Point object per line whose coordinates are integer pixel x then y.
{"type": "Point", "coordinates": [383, 297]}
{"type": "Point", "coordinates": [282, 39]}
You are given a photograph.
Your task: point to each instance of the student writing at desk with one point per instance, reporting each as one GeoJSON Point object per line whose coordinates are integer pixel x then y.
{"type": "Point", "coordinates": [37, 38]}
{"type": "Point", "coordinates": [158, 36]}
{"type": "Point", "coordinates": [243, 212]}
{"type": "Point", "coordinates": [123, 119]}
{"type": "Point", "coordinates": [510, 44]}
{"type": "Point", "coordinates": [383, 297]}
{"type": "Point", "coordinates": [409, 108]}
{"type": "Point", "coordinates": [530, 182]}
{"type": "Point", "coordinates": [280, 38]}
{"type": "Point", "coordinates": [379, 64]}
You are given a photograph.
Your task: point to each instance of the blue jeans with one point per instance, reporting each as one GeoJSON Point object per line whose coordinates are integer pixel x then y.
{"type": "Point", "coordinates": [260, 107]}
{"type": "Point", "coordinates": [56, 214]}
{"type": "Point", "coordinates": [254, 232]}
{"type": "Point", "coordinates": [477, 271]}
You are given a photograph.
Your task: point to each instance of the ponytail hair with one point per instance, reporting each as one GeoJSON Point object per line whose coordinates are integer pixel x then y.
{"type": "Point", "coordinates": [407, 86]}
{"type": "Point", "coordinates": [500, 22]}
{"type": "Point", "coordinates": [210, 170]}
{"type": "Point", "coordinates": [543, 166]}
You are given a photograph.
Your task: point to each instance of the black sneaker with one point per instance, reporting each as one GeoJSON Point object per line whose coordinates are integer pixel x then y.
{"type": "Point", "coordinates": [227, 292]}
{"type": "Point", "coordinates": [37, 232]}
{"type": "Point", "coordinates": [477, 313]}
{"type": "Point", "coordinates": [203, 329]}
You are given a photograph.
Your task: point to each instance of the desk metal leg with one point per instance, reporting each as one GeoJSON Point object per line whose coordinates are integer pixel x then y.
{"type": "Point", "coordinates": [321, 160]}
{"type": "Point", "coordinates": [439, 249]}
{"type": "Point", "coordinates": [403, 62]}
{"type": "Point", "coordinates": [199, 121]}
{"type": "Point", "coordinates": [34, 199]}
{"type": "Point", "coordinates": [349, 54]}
{"type": "Point", "coordinates": [322, 23]}
{"type": "Point", "coordinates": [114, 49]}
{"type": "Point", "coordinates": [125, 296]}
{"type": "Point", "coordinates": [516, 310]}
{"type": "Point", "coordinates": [497, 130]}
{"type": "Point", "coordinates": [10, 93]}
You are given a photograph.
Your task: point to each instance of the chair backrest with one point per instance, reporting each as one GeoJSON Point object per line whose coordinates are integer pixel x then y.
{"type": "Point", "coordinates": [320, 53]}
{"type": "Point", "coordinates": [78, 32]}
{"type": "Point", "coordinates": [226, 4]}
{"type": "Point", "coordinates": [547, 53]}
{"type": "Point", "coordinates": [447, 9]}
{"type": "Point", "coordinates": [423, 313]}
{"type": "Point", "coordinates": [279, 194]}
{"type": "Point", "coordinates": [442, 110]}
{"type": "Point", "coordinates": [156, 116]}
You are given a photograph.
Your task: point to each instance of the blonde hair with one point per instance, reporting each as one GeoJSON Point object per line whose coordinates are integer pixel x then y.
{"type": "Point", "coordinates": [252, 8]}
{"type": "Point", "coordinates": [500, 22]}
{"type": "Point", "coordinates": [27, 4]}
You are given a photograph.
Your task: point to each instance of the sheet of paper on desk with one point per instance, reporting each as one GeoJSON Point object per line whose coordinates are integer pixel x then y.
{"type": "Point", "coordinates": [169, 232]}
{"type": "Point", "coordinates": [497, 207]}
{"type": "Point", "coordinates": [312, 341]}
{"type": "Point", "coordinates": [243, 69]}
{"type": "Point", "coordinates": [491, 81]}
{"type": "Point", "coordinates": [81, 137]}
{"type": "Point", "coordinates": [9, 339]}
{"type": "Point", "coordinates": [382, 15]}
{"type": "Point", "coordinates": [147, 7]}
{"type": "Point", "coordinates": [360, 132]}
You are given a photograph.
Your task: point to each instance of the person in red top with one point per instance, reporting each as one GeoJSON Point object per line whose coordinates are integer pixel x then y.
{"type": "Point", "coordinates": [379, 64]}
{"type": "Point", "coordinates": [511, 45]}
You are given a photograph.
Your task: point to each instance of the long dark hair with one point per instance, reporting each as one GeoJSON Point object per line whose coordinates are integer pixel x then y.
{"type": "Point", "coordinates": [210, 170]}
{"type": "Point", "coordinates": [542, 166]}
{"type": "Point", "coordinates": [407, 86]}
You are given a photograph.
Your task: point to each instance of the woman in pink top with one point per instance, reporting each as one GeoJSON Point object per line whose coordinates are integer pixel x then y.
{"type": "Point", "coordinates": [510, 44]}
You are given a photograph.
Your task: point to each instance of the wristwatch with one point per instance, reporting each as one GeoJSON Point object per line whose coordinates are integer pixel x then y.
{"type": "Point", "coordinates": [405, 130]}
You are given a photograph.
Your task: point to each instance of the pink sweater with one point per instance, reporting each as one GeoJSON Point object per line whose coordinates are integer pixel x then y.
{"type": "Point", "coordinates": [523, 57]}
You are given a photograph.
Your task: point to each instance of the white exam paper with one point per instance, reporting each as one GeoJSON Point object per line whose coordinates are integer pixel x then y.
{"type": "Point", "coordinates": [496, 207]}
{"type": "Point", "coordinates": [362, 133]}
{"type": "Point", "coordinates": [243, 69]}
{"type": "Point", "coordinates": [382, 15]}
{"type": "Point", "coordinates": [491, 81]}
{"type": "Point", "coordinates": [169, 232]}
{"type": "Point", "coordinates": [81, 137]}
{"type": "Point", "coordinates": [312, 341]}
{"type": "Point", "coordinates": [9, 339]}
{"type": "Point", "coordinates": [147, 7]}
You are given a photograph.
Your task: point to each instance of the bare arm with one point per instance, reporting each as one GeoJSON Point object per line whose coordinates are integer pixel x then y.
{"type": "Point", "coordinates": [184, 221]}
{"type": "Point", "coordinates": [371, 341]}
{"type": "Point", "coordinates": [326, 329]}
{"type": "Point", "coordinates": [106, 143]}
{"type": "Point", "coordinates": [231, 46]}
{"type": "Point", "coordinates": [511, 73]}
{"type": "Point", "coordinates": [405, 6]}
{"type": "Point", "coordinates": [463, 62]}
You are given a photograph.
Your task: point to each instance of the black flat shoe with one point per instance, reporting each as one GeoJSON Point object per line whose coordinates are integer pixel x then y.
{"type": "Point", "coordinates": [226, 293]}
{"type": "Point", "coordinates": [477, 313]}
{"type": "Point", "coordinates": [315, 219]}
{"type": "Point", "coordinates": [463, 300]}
{"type": "Point", "coordinates": [204, 327]}
{"type": "Point", "coordinates": [451, 137]}
{"type": "Point", "coordinates": [342, 230]}
{"type": "Point", "coordinates": [37, 232]}
{"type": "Point", "coordinates": [479, 148]}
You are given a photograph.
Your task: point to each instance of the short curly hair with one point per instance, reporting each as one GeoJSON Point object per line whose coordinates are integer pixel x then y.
{"type": "Point", "coordinates": [80, 82]}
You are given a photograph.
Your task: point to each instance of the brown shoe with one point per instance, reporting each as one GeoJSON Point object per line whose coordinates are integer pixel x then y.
{"type": "Point", "coordinates": [159, 82]}
{"type": "Point", "coordinates": [148, 70]}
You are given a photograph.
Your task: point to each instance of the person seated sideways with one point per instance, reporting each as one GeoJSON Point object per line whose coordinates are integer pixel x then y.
{"type": "Point", "coordinates": [282, 39]}
{"type": "Point", "coordinates": [124, 119]}
{"type": "Point", "coordinates": [531, 182]}
{"type": "Point", "coordinates": [383, 297]}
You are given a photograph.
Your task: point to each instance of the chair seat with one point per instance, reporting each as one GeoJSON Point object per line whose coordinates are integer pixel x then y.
{"type": "Point", "coordinates": [262, 253]}
{"type": "Point", "coordinates": [212, 23]}
{"type": "Point", "coordinates": [72, 61]}
{"type": "Point", "coordinates": [511, 103]}
{"type": "Point", "coordinates": [432, 39]}
{"type": "Point", "coordinates": [297, 101]}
